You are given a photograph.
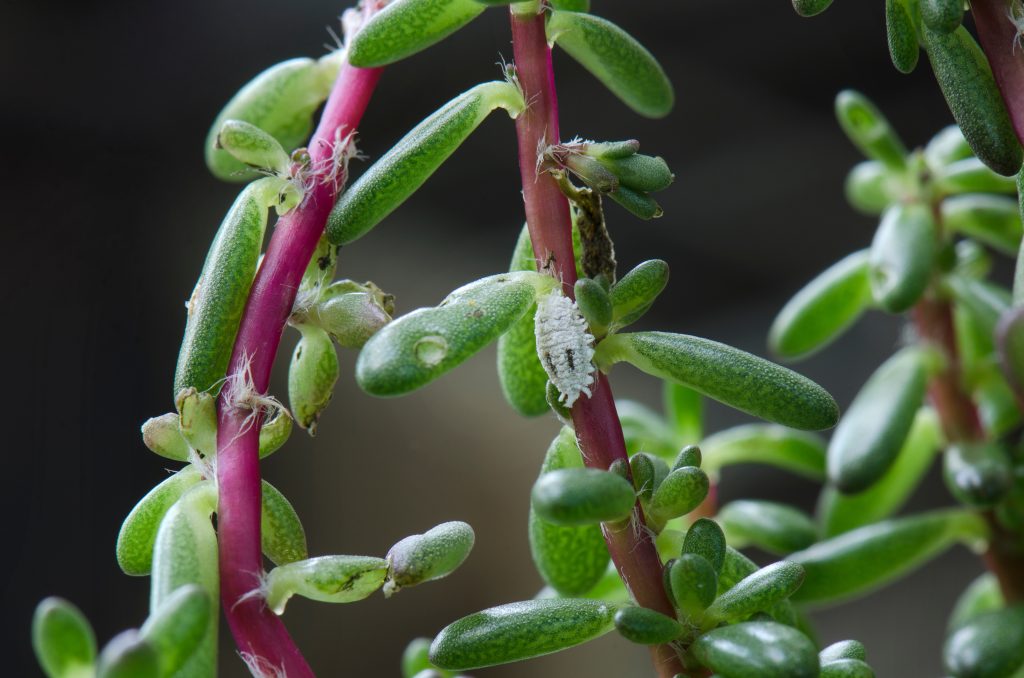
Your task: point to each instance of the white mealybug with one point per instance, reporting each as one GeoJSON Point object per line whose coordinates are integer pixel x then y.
{"type": "Point", "coordinates": [565, 346]}
{"type": "Point", "coordinates": [1015, 13]}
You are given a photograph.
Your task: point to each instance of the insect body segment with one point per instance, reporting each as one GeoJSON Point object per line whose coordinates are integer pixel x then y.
{"type": "Point", "coordinates": [565, 346]}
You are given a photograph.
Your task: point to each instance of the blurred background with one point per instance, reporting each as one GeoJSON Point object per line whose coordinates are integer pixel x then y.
{"type": "Point", "coordinates": [106, 105]}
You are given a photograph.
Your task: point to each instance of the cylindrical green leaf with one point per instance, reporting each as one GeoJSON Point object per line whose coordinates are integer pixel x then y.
{"type": "Point", "coordinates": [421, 346]}
{"type": "Point", "coordinates": [410, 162]}
{"type": "Point", "coordinates": [416, 657]}
{"type": "Point", "coordinates": [971, 175]}
{"type": "Point", "coordinates": [844, 649]}
{"type": "Point", "coordinates": [128, 655]}
{"type": "Point", "coordinates": [773, 527]}
{"type": "Point", "coordinates": [161, 435]}
{"type": "Point", "coordinates": [138, 532]}
{"type": "Point", "coordinates": [280, 101]}
{"type": "Point", "coordinates": [643, 173]}
{"type": "Point", "coordinates": [636, 291]}
{"type": "Point", "coordinates": [757, 592]}
{"type": "Point", "coordinates": [871, 556]}
{"type": "Point", "coordinates": [216, 306]}
{"type": "Point", "coordinates": [639, 204]}
{"type": "Point", "coordinates": [350, 318]}
{"type": "Point", "coordinates": [329, 579]}
{"type": "Point", "coordinates": [405, 27]}
{"type": "Point", "coordinates": [693, 583]}
{"type": "Point", "coordinates": [594, 304]}
{"type": "Point", "coordinates": [902, 36]}
{"type": "Point", "coordinates": [840, 512]}
{"type": "Point", "coordinates": [992, 219]}
{"type": "Point", "coordinates": [518, 631]}
{"type": "Point", "coordinates": [252, 146]}
{"type": "Point", "coordinates": [868, 129]}
{"type": "Point", "coordinates": [275, 432]}
{"type": "Point", "coordinates": [579, 496]}
{"type": "Point", "coordinates": [846, 668]}
{"type": "Point", "coordinates": [869, 186]}
{"type": "Point", "coordinates": [684, 408]}
{"type": "Point", "coordinates": [878, 420]}
{"type": "Point", "coordinates": [646, 627]}
{"type": "Point", "coordinates": [984, 300]}
{"type": "Point", "coordinates": [981, 596]}
{"type": "Point", "coordinates": [425, 557]}
{"type": "Point", "coordinates": [762, 649]}
{"type": "Point", "coordinates": [706, 539]}
{"type": "Point", "coordinates": [734, 377]}
{"type": "Point", "coordinates": [966, 80]}
{"type": "Point", "coordinates": [571, 559]}
{"type": "Point", "coordinates": [197, 420]}
{"type": "Point", "coordinates": [902, 256]}
{"type": "Point", "coordinates": [648, 471]}
{"type": "Point", "coordinates": [944, 16]}
{"type": "Point", "coordinates": [311, 376]}
{"type": "Point", "coordinates": [176, 628]}
{"type": "Point", "coordinates": [797, 451]}
{"type": "Point", "coordinates": [680, 492]}
{"type": "Point", "coordinates": [616, 59]}
{"type": "Point", "coordinates": [978, 474]}
{"type": "Point", "coordinates": [282, 537]}
{"type": "Point", "coordinates": [810, 7]}
{"type": "Point", "coordinates": [989, 646]}
{"type": "Point", "coordinates": [946, 147]}
{"type": "Point", "coordinates": [823, 309]}
{"type": "Point", "coordinates": [63, 640]}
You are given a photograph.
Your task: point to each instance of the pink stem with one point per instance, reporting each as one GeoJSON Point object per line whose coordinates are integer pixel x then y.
{"type": "Point", "coordinates": [258, 632]}
{"type": "Point", "coordinates": [596, 420]}
{"type": "Point", "coordinates": [998, 37]}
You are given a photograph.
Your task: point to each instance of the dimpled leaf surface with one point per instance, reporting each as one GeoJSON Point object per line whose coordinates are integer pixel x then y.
{"type": "Point", "coordinates": [990, 645]}
{"type": "Point", "coordinates": [757, 592]}
{"type": "Point", "coordinates": [901, 35]}
{"type": "Point", "coordinates": [844, 649]}
{"type": "Point", "coordinates": [63, 639]}
{"type": "Point", "coordinates": [138, 532]}
{"type": "Point", "coordinates": [796, 451]}
{"type": "Point", "coordinates": [646, 627]}
{"type": "Point", "coordinates": [578, 496]}
{"type": "Point", "coordinates": [636, 291]}
{"type": "Point", "coordinates": [432, 555]}
{"type": "Point", "coordinates": [846, 668]}
{"type": "Point", "coordinates": [517, 631]}
{"type": "Point", "coordinates": [405, 27]}
{"type": "Point", "coordinates": [736, 378]}
{"type": "Point", "coordinates": [282, 538]}
{"type": "Point", "coordinates": [762, 649]}
{"type": "Point", "coordinates": [329, 579]}
{"type": "Point", "coordinates": [312, 373]}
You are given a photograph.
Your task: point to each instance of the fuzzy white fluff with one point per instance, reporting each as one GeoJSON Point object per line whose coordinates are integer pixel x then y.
{"type": "Point", "coordinates": [565, 346]}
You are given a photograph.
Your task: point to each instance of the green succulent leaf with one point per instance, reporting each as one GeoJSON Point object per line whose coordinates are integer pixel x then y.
{"type": "Point", "coordinates": [682, 490]}
{"type": "Point", "coordinates": [641, 173]}
{"type": "Point", "coordinates": [216, 306]}
{"type": "Point", "coordinates": [646, 627]}
{"type": "Point", "coordinates": [421, 346]}
{"type": "Point", "coordinates": [823, 309]}
{"type": "Point", "coordinates": [405, 27]}
{"type": "Point", "coordinates": [594, 304]}
{"type": "Point", "coordinates": [902, 256]}
{"type": "Point", "coordinates": [942, 16]}
{"type": "Point", "coordinates": [871, 556]}
{"type": "Point", "coordinates": [138, 532]}
{"type": "Point", "coordinates": [985, 301]}
{"type": "Point", "coordinates": [648, 471]}
{"type": "Point", "coordinates": [410, 162]}
{"type": "Point", "coordinates": [639, 204]}
{"type": "Point", "coordinates": [633, 295]}
{"type": "Point", "coordinates": [162, 436]}
{"type": "Point", "coordinates": [844, 649]}
{"type": "Point", "coordinates": [981, 596]}
{"type": "Point", "coordinates": [978, 473]}
{"type": "Point", "coordinates": [966, 80]}
{"type": "Point", "coordinates": [971, 175]}
{"type": "Point", "coordinates": [684, 408]}
{"type": "Point", "coordinates": [946, 147]}
{"type": "Point", "coordinates": [429, 556]}
{"type": "Point", "coordinates": [773, 527]}
{"type": "Point", "coordinates": [990, 645]}
{"type": "Point", "coordinates": [312, 374]}
{"type": "Point", "coordinates": [580, 496]}
{"type": "Point", "coordinates": [281, 534]}
{"type": "Point", "coordinates": [329, 579]}
{"type": "Point", "coordinates": [763, 649]}
{"type": "Point", "coordinates": [868, 129]}
{"type": "Point", "coordinates": [902, 36]}
{"type": "Point", "coordinates": [706, 539]}
{"type": "Point", "coordinates": [756, 592]}
{"type": "Point", "coordinates": [518, 631]}
{"type": "Point", "coordinates": [254, 147]}
{"type": "Point", "coordinates": [416, 658]}
{"type": "Point", "coordinates": [870, 186]}
{"type": "Point", "coordinates": [810, 7]}
{"type": "Point", "coordinates": [177, 627]}
{"type": "Point", "coordinates": [645, 429]}
{"type": "Point", "coordinates": [847, 668]}
{"type": "Point", "coordinates": [801, 452]}
{"type": "Point", "coordinates": [350, 318]}
{"type": "Point", "coordinates": [731, 376]}
{"type": "Point", "coordinates": [616, 59]}
{"type": "Point", "coordinates": [63, 640]}
{"type": "Point", "coordinates": [992, 219]}
{"type": "Point", "coordinates": [128, 655]}
{"type": "Point", "coordinates": [197, 420]}
{"type": "Point", "coordinates": [275, 432]}
{"type": "Point", "coordinates": [693, 583]}
{"type": "Point", "coordinates": [870, 436]}
{"type": "Point", "coordinates": [571, 559]}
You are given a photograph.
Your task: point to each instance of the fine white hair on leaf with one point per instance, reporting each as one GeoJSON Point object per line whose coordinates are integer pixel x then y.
{"type": "Point", "coordinates": [565, 346]}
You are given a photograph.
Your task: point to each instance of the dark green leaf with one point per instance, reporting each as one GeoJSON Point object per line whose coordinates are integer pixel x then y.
{"type": "Point", "coordinates": [989, 646]}
{"type": "Point", "coordinates": [810, 7]}
{"type": "Point", "coordinates": [981, 596]}
{"type": "Point", "coordinates": [943, 16]}
{"type": "Point", "coordinates": [405, 27]}
{"type": "Point", "coordinates": [646, 627]}
{"type": "Point", "coordinates": [992, 219]}
{"type": "Point", "coordinates": [762, 649]}
{"type": "Point", "coordinates": [636, 291]}
{"type": "Point", "coordinates": [773, 527]}
{"type": "Point", "coordinates": [868, 129]}
{"type": "Point", "coordinates": [578, 496]}
{"type": "Point", "coordinates": [425, 557]}
{"type": "Point", "coordinates": [846, 668]}
{"type": "Point", "coordinates": [692, 583]}
{"type": "Point", "coordinates": [706, 539]}
{"type": "Point", "coordinates": [902, 256]}
{"type": "Point", "coordinates": [844, 649]}
{"type": "Point", "coordinates": [680, 492]}
{"type": "Point", "coordinates": [757, 592]}
{"type": "Point", "coordinates": [902, 36]}
{"type": "Point", "coordinates": [978, 473]}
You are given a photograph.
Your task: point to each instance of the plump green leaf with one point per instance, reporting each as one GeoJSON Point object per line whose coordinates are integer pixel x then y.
{"type": "Point", "coordinates": [966, 80]}
{"type": "Point", "coordinates": [946, 147]}
{"type": "Point", "coordinates": [312, 373]}
{"type": "Point", "coordinates": [846, 668]}
{"type": "Point", "coordinates": [648, 472]}
{"type": "Point", "coordinates": [350, 318]}
{"type": "Point", "coordinates": [405, 27]}
{"type": "Point", "coordinates": [216, 306]}
{"type": "Point", "coordinates": [844, 649]}
{"type": "Point", "coordinates": [275, 432]}
{"type": "Point", "coordinates": [810, 7]}
{"type": "Point", "coordinates": [971, 175]}
{"type": "Point", "coordinates": [197, 420]}
{"type": "Point", "coordinates": [706, 539]}
{"type": "Point", "coordinates": [878, 420]}
{"type": "Point", "coordinates": [616, 59]}
{"type": "Point", "coordinates": [762, 649]}
{"type": "Point", "coordinates": [578, 496]}
{"type": "Point", "coordinates": [902, 256]}
{"type": "Point", "coordinates": [981, 596]}
{"type": "Point", "coordinates": [870, 186]}
{"type": "Point", "coordinates": [680, 492]}
{"type": "Point", "coordinates": [690, 455]}
{"type": "Point", "coordinates": [639, 204]}
{"type": "Point", "coordinates": [992, 219]}
{"type": "Point", "coordinates": [757, 592]}
{"type": "Point", "coordinates": [281, 534]}
{"type": "Point", "coordinates": [693, 583]}
{"type": "Point", "coordinates": [978, 473]}
{"type": "Point", "coordinates": [410, 162]}
{"type": "Point", "coordinates": [734, 377]}
{"type": "Point", "coordinates": [868, 129]}
{"type": "Point", "coordinates": [646, 627]}
{"type": "Point", "coordinates": [797, 451]}
{"type": "Point", "coordinates": [161, 436]}
{"type": "Point", "coordinates": [943, 16]}
{"type": "Point", "coordinates": [871, 556]}
{"type": "Point", "coordinates": [329, 579]}
{"type": "Point", "coordinates": [773, 527]}
{"type": "Point", "coordinates": [642, 173]}
{"type": "Point", "coordinates": [518, 631]}
{"type": "Point", "coordinates": [416, 657]}
{"type": "Point", "coordinates": [823, 309]}
{"type": "Point", "coordinates": [902, 36]}
{"type": "Point", "coordinates": [841, 512]}
{"type": "Point", "coordinates": [633, 295]}
{"type": "Point", "coordinates": [571, 559]}
{"type": "Point", "coordinates": [128, 655]}
{"type": "Point", "coordinates": [138, 532]}
{"type": "Point", "coordinates": [280, 101]}
{"type": "Point", "coordinates": [985, 301]}
{"type": "Point", "coordinates": [421, 346]}
{"type": "Point", "coordinates": [988, 646]}
{"type": "Point", "coordinates": [432, 555]}
{"type": "Point", "coordinates": [63, 640]}
{"type": "Point", "coordinates": [252, 146]}
{"type": "Point", "coordinates": [594, 304]}
{"type": "Point", "coordinates": [176, 628]}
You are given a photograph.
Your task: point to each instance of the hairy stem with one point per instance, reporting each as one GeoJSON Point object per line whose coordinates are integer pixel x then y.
{"type": "Point", "coordinates": [596, 420]}
{"type": "Point", "coordinates": [998, 37]}
{"type": "Point", "coordinates": [260, 635]}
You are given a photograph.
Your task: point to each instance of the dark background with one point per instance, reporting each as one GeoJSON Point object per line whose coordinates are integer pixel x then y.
{"type": "Point", "coordinates": [109, 211]}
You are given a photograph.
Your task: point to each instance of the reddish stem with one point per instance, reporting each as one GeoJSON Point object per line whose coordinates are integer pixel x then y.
{"type": "Point", "coordinates": [258, 632]}
{"type": "Point", "coordinates": [596, 420]}
{"type": "Point", "coordinates": [998, 38]}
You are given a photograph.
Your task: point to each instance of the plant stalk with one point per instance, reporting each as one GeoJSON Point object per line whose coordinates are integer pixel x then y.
{"type": "Point", "coordinates": [260, 634]}
{"type": "Point", "coordinates": [999, 40]}
{"type": "Point", "coordinates": [596, 420]}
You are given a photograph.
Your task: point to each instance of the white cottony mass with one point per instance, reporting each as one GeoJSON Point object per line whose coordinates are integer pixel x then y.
{"type": "Point", "coordinates": [565, 346]}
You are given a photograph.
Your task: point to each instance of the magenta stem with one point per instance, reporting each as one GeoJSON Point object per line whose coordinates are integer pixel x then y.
{"type": "Point", "coordinates": [596, 420]}
{"type": "Point", "coordinates": [998, 37]}
{"type": "Point", "coordinates": [259, 633]}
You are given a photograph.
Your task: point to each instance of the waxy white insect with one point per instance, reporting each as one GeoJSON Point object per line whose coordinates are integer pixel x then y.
{"type": "Point", "coordinates": [565, 346]}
